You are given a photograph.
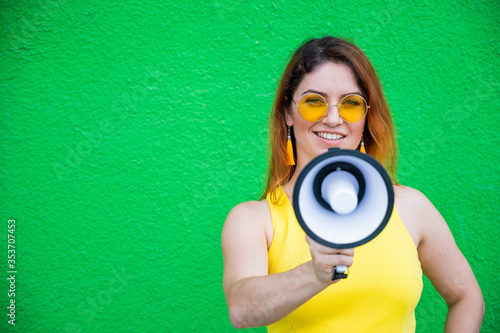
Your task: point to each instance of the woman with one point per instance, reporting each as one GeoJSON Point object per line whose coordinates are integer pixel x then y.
{"type": "Point", "coordinates": [277, 276]}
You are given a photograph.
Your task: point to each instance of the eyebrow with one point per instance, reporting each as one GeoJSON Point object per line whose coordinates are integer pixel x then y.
{"type": "Point", "coordinates": [309, 91]}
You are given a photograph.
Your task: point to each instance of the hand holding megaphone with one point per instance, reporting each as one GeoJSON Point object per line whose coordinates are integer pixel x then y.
{"type": "Point", "coordinates": [343, 199]}
{"type": "Point", "coordinates": [324, 258]}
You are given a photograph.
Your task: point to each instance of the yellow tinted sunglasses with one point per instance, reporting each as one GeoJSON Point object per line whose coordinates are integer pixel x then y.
{"type": "Point", "coordinates": [313, 108]}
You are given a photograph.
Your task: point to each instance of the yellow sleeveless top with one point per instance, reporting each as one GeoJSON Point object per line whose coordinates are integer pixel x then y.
{"type": "Point", "coordinates": [379, 295]}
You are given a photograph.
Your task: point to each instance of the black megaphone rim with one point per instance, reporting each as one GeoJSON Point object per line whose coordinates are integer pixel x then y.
{"type": "Point", "coordinates": [331, 153]}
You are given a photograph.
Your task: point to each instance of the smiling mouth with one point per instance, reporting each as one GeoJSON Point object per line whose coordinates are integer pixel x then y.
{"type": "Point", "coordinates": [329, 136]}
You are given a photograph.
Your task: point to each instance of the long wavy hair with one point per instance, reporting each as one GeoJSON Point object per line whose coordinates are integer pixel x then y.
{"type": "Point", "coordinates": [379, 131]}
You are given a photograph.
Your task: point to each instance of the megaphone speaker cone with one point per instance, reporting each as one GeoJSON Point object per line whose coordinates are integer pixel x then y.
{"type": "Point", "coordinates": [340, 190]}
{"type": "Point", "coordinates": [343, 198]}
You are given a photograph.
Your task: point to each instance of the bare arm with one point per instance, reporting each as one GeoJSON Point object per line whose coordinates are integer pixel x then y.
{"type": "Point", "coordinates": [253, 297]}
{"type": "Point", "coordinates": [443, 263]}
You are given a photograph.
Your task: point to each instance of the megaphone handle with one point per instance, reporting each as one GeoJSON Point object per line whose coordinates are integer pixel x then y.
{"type": "Point", "coordinates": [339, 272]}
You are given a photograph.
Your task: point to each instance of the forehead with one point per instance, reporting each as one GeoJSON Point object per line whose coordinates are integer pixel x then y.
{"type": "Point", "coordinates": [332, 79]}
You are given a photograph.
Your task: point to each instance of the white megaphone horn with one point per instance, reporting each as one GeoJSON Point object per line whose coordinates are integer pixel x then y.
{"type": "Point", "coordinates": [343, 199]}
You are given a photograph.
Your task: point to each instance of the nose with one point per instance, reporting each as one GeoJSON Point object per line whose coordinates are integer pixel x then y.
{"type": "Point", "coordinates": [332, 117]}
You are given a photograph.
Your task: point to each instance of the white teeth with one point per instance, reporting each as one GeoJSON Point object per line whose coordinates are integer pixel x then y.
{"type": "Point", "coordinates": [329, 136]}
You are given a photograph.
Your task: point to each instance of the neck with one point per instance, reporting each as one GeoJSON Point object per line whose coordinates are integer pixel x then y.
{"type": "Point", "coordinates": [288, 187]}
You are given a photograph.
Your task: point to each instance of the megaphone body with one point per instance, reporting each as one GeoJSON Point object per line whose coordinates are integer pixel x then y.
{"type": "Point", "coordinates": [343, 199]}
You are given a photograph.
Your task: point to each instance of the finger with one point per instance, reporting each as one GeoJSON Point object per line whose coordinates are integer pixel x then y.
{"type": "Point", "coordinates": [313, 245]}
{"type": "Point", "coordinates": [343, 260]}
{"type": "Point", "coordinates": [332, 251]}
{"type": "Point", "coordinates": [317, 247]}
{"type": "Point", "coordinates": [327, 262]}
{"type": "Point", "coordinates": [346, 252]}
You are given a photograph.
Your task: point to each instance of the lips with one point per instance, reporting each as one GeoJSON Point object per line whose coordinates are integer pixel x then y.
{"type": "Point", "coordinates": [330, 136]}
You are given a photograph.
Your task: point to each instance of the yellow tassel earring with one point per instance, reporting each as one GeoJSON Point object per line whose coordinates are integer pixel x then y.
{"type": "Point", "coordinates": [289, 149]}
{"type": "Point", "coordinates": [362, 147]}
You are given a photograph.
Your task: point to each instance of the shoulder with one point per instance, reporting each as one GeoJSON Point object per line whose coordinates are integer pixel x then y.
{"type": "Point", "coordinates": [410, 200]}
{"type": "Point", "coordinates": [405, 195]}
{"type": "Point", "coordinates": [249, 210]}
{"type": "Point", "coordinates": [249, 218]}
{"type": "Point", "coordinates": [416, 211]}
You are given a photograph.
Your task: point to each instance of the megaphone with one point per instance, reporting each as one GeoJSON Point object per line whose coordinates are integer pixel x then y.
{"type": "Point", "coordinates": [343, 199]}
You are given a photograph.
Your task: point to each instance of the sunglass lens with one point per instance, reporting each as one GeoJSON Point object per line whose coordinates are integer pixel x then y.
{"type": "Point", "coordinates": [312, 107]}
{"type": "Point", "coordinates": [352, 108]}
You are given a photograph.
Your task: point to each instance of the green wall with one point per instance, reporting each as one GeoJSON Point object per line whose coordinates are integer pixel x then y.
{"type": "Point", "coordinates": [131, 128]}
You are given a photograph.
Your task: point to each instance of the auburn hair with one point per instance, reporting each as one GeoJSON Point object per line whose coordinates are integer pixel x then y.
{"type": "Point", "coordinates": [379, 132]}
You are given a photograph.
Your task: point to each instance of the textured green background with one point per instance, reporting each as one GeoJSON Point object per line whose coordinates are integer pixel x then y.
{"type": "Point", "coordinates": [131, 128]}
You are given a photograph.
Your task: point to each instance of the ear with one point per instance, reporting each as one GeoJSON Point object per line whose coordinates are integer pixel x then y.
{"type": "Point", "coordinates": [288, 113]}
{"type": "Point", "coordinates": [288, 117]}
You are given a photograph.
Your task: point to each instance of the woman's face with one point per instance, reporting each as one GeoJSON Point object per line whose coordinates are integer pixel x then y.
{"type": "Point", "coordinates": [333, 82]}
